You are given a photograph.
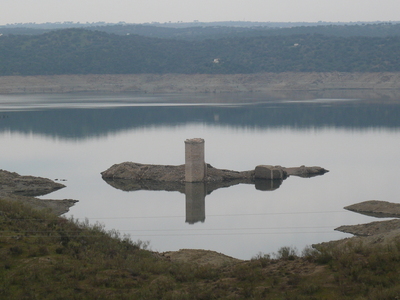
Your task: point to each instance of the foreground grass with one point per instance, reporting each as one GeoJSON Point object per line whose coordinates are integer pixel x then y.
{"type": "Point", "coordinates": [49, 257]}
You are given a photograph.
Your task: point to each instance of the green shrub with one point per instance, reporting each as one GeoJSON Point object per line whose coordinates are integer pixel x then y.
{"type": "Point", "coordinates": [286, 253]}
{"type": "Point", "coordinates": [263, 259]}
{"type": "Point", "coordinates": [15, 250]}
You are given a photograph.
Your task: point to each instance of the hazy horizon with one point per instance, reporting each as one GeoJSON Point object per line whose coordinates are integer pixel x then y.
{"type": "Point", "coordinates": [234, 23]}
{"type": "Point", "coordinates": [138, 12]}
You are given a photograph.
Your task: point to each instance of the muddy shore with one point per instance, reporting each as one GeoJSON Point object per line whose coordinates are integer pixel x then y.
{"type": "Point", "coordinates": [203, 83]}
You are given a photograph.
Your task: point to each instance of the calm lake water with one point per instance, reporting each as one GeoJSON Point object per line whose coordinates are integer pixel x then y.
{"type": "Point", "coordinates": [77, 136]}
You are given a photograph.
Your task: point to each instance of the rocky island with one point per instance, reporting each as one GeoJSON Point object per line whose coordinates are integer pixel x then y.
{"type": "Point", "coordinates": [131, 176]}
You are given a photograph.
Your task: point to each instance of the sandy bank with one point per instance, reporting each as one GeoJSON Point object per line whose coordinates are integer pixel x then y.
{"type": "Point", "coordinates": [199, 83]}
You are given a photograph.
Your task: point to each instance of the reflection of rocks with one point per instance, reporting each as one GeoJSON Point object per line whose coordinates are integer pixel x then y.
{"type": "Point", "coordinates": [21, 188]}
{"type": "Point", "coordinates": [179, 186]}
{"type": "Point", "coordinates": [267, 185]}
{"type": "Point", "coordinates": [147, 185]}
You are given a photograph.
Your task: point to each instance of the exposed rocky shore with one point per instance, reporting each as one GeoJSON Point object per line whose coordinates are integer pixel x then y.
{"type": "Point", "coordinates": [378, 209]}
{"type": "Point", "coordinates": [202, 83]}
{"type": "Point", "coordinates": [372, 228]}
{"type": "Point", "coordinates": [13, 183]}
{"type": "Point", "coordinates": [15, 187]}
{"type": "Point", "coordinates": [379, 232]}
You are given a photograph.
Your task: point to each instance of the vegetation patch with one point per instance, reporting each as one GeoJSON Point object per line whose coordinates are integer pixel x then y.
{"type": "Point", "coordinates": [50, 257]}
{"type": "Point", "coordinates": [82, 51]}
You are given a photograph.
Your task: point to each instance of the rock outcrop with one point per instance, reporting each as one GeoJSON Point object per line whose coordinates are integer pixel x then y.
{"type": "Point", "coordinates": [370, 229]}
{"type": "Point", "coordinates": [14, 187]}
{"type": "Point", "coordinates": [370, 234]}
{"type": "Point", "coordinates": [13, 183]}
{"type": "Point", "coordinates": [305, 172]}
{"type": "Point", "coordinates": [374, 208]}
{"type": "Point", "coordinates": [166, 173]}
{"type": "Point", "coordinates": [270, 172]}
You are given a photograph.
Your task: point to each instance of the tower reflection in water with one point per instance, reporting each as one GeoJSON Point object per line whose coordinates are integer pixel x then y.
{"type": "Point", "coordinates": [195, 202]}
{"type": "Point", "coordinates": [195, 192]}
{"type": "Point", "coordinates": [196, 195]}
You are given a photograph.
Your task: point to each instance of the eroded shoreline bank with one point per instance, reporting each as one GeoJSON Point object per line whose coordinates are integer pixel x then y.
{"type": "Point", "coordinates": [202, 83]}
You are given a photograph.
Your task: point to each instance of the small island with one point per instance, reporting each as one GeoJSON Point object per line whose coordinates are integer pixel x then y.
{"type": "Point", "coordinates": [131, 176]}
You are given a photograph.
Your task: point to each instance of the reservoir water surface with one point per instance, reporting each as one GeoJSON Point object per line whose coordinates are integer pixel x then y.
{"type": "Point", "coordinates": [74, 137]}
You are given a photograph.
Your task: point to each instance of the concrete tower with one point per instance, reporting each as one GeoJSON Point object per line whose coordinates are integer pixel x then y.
{"type": "Point", "coordinates": [195, 166]}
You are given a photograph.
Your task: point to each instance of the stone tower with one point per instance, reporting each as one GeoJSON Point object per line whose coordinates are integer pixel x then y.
{"type": "Point", "coordinates": [195, 166]}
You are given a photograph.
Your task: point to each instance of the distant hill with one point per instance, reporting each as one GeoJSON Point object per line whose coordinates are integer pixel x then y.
{"type": "Point", "coordinates": [216, 30]}
{"type": "Point", "coordinates": [82, 51]}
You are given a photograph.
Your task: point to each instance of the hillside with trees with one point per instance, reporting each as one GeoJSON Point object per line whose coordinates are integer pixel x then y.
{"type": "Point", "coordinates": [215, 30]}
{"type": "Point", "coordinates": [207, 31]}
{"type": "Point", "coordinates": [81, 51]}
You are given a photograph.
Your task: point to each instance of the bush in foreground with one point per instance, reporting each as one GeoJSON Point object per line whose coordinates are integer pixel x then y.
{"type": "Point", "coordinates": [49, 257]}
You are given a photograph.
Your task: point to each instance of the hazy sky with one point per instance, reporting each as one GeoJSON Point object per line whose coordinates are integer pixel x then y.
{"type": "Point", "coordinates": [141, 11]}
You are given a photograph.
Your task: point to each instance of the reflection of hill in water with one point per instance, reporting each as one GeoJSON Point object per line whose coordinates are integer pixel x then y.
{"type": "Point", "coordinates": [83, 123]}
